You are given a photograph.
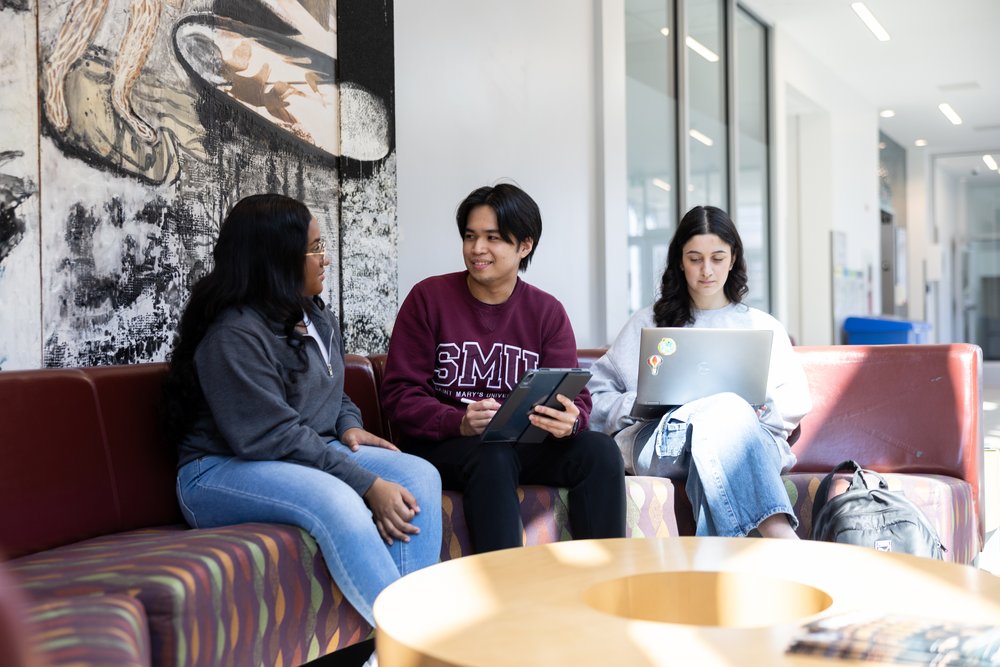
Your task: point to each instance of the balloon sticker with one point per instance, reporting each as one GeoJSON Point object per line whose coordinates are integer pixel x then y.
{"type": "Point", "coordinates": [654, 362]}
{"type": "Point", "coordinates": [666, 346]}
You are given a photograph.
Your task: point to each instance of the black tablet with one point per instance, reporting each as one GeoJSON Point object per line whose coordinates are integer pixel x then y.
{"type": "Point", "coordinates": [537, 387]}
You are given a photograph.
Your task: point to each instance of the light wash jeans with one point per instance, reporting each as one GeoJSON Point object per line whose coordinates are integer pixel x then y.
{"type": "Point", "coordinates": [225, 490]}
{"type": "Point", "coordinates": [733, 464]}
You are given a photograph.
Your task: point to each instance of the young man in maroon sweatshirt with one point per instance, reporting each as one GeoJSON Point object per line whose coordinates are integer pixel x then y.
{"type": "Point", "coordinates": [461, 343]}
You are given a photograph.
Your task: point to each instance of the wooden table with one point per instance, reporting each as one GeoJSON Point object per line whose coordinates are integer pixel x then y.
{"type": "Point", "coordinates": [676, 601]}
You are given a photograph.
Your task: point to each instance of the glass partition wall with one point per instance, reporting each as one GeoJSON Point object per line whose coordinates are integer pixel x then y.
{"type": "Point", "coordinates": [697, 131]}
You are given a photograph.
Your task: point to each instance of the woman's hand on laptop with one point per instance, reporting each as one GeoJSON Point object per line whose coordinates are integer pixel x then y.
{"type": "Point", "coordinates": [477, 416]}
{"type": "Point", "coordinates": [559, 423]}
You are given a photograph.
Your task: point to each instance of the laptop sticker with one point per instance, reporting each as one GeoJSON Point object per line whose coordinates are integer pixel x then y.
{"type": "Point", "coordinates": [654, 362]}
{"type": "Point", "coordinates": [666, 346]}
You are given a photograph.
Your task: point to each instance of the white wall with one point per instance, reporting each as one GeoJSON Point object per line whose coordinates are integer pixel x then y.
{"type": "Point", "coordinates": [502, 90]}
{"type": "Point", "coordinates": [836, 150]}
{"type": "Point", "coordinates": [531, 91]}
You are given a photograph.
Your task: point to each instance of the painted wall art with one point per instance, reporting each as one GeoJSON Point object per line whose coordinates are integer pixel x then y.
{"type": "Point", "coordinates": [20, 297]}
{"type": "Point", "coordinates": [157, 115]}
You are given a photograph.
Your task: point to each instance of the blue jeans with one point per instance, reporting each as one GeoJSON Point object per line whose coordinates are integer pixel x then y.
{"type": "Point", "coordinates": [732, 464]}
{"type": "Point", "coordinates": [225, 490]}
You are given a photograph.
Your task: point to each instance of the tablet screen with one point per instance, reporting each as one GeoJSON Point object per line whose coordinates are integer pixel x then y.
{"type": "Point", "coordinates": [537, 387]}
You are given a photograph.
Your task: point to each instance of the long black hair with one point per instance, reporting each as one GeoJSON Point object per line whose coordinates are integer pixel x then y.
{"type": "Point", "coordinates": [518, 217]}
{"type": "Point", "coordinates": [673, 308]}
{"type": "Point", "coordinates": [259, 263]}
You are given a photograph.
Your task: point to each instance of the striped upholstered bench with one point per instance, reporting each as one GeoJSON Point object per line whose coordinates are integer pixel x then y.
{"type": "Point", "coordinates": [253, 594]}
{"type": "Point", "coordinates": [239, 595]}
{"type": "Point", "coordinates": [108, 629]}
{"type": "Point", "coordinates": [649, 510]}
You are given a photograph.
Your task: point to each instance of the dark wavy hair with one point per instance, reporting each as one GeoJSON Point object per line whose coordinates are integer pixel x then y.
{"type": "Point", "coordinates": [673, 308]}
{"type": "Point", "coordinates": [259, 258]}
{"type": "Point", "coordinates": [518, 217]}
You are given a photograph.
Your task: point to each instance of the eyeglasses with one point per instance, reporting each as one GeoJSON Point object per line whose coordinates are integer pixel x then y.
{"type": "Point", "coordinates": [317, 248]}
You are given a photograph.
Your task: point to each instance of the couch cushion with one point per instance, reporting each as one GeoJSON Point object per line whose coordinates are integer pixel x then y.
{"type": "Point", "coordinates": [239, 595]}
{"type": "Point", "coordinates": [947, 502]}
{"type": "Point", "coordinates": [106, 630]}
{"type": "Point", "coordinates": [649, 507]}
{"type": "Point", "coordinates": [378, 368]}
{"type": "Point", "coordinates": [143, 466]}
{"type": "Point", "coordinates": [56, 480]}
{"type": "Point", "coordinates": [361, 385]}
{"type": "Point", "coordinates": [649, 513]}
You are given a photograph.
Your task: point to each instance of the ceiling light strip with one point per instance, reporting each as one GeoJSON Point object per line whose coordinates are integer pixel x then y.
{"type": "Point", "coordinates": [702, 50]}
{"type": "Point", "coordinates": [870, 21]}
{"type": "Point", "coordinates": [990, 162]}
{"type": "Point", "coordinates": [950, 113]}
{"type": "Point", "coordinates": [698, 136]}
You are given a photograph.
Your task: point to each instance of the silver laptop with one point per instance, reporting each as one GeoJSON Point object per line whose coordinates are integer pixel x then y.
{"type": "Point", "coordinates": [679, 364]}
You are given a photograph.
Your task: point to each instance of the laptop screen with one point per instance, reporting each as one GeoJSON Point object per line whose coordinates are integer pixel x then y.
{"type": "Point", "coordinates": [680, 364]}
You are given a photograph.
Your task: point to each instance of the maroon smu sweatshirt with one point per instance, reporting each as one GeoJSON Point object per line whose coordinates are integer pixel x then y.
{"type": "Point", "coordinates": [447, 345]}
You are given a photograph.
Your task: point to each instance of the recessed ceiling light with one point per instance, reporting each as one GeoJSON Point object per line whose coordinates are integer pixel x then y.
{"type": "Point", "coordinates": [662, 184]}
{"type": "Point", "coordinates": [869, 20]}
{"type": "Point", "coordinates": [950, 113]}
{"type": "Point", "coordinates": [990, 162]}
{"type": "Point", "coordinates": [698, 136]}
{"type": "Point", "coordinates": [920, 143]}
{"type": "Point", "coordinates": [702, 50]}
{"type": "Point", "coordinates": [881, 145]}
{"type": "Point", "coordinates": [665, 32]}
{"type": "Point", "coordinates": [887, 113]}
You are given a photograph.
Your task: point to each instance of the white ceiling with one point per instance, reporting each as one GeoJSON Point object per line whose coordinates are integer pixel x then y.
{"type": "Point", "coordinates": [939, 51]}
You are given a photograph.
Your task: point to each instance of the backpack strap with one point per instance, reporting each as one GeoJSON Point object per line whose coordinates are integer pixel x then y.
{"type": "Point", "coordinates": [857, 482]}
{"type": "Point", "coordinates": [824, 486]}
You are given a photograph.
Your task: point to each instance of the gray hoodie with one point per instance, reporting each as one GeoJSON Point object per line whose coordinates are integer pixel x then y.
{"type": "Point", "coordinates": [262, 403]}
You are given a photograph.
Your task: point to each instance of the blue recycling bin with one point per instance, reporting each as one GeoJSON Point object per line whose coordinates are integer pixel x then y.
{"type": "Point", "coordinates": [873, 330]}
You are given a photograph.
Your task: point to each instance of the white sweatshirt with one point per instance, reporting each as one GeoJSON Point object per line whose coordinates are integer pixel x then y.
{"type": "Point", "coordinates": [616, 373]}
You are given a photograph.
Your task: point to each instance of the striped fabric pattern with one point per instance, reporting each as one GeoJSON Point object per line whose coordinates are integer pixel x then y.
{"type": "Point", "coordinates": [106, 630]}
{"type": "Point", "coordinates": [253, 594]}
{"type": "Point", "coordinates": [946, 501]}
{"type": "Point", "coordinates": [247, 595]}
{"type": "Point", "coordinates": [649, 507]}
{"type": "Point", "coordinates": [545, 515]}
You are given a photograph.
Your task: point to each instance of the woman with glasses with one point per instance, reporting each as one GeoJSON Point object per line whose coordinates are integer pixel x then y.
{"type": "Point", "coordinates": [255, 402]}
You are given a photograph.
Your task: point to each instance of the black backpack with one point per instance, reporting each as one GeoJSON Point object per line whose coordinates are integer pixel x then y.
{"type": "Point", "coordinates": [875, 518]}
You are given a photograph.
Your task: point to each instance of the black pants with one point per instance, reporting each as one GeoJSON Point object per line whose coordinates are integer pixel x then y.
{"type": "Point", "coordinates": [488, 474]}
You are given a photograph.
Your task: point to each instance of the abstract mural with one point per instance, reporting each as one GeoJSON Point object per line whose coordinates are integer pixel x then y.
{"type": "Point", "coordinates": [20, 316]}
{"type": "Point", "coordinates": [157, 115]}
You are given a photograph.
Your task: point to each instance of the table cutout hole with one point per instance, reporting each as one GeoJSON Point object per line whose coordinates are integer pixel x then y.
{"type": "Point", "coordinates": [721, 599]}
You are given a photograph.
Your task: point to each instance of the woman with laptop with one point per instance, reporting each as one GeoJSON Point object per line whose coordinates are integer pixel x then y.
{"type": "Point", "coordinates": [731, 452]}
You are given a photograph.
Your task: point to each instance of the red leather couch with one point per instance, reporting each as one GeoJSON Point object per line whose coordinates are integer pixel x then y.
{"type": "Point", "coordinates": [90, 523]}
{"type": "Point", "coordinates": [911, 412]}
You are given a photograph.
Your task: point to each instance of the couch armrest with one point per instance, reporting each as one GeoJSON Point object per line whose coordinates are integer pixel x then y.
{"type": "Point", "coordinates": [895, 408]}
